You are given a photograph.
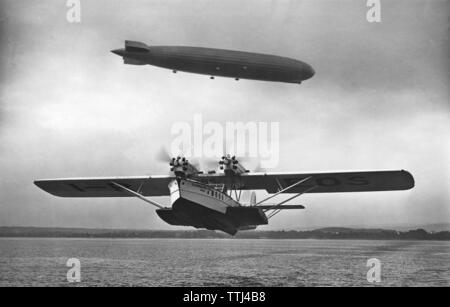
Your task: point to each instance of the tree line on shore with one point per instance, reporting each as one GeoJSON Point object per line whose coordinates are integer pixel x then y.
{"type": "Point", "coordinates": [322, 233]}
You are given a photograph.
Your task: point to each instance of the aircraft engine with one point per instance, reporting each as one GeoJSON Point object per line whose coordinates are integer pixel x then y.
{"type": "Point", "coordinates": [230, 165]}
{"type": "Point", "coordinates": [182, 167]}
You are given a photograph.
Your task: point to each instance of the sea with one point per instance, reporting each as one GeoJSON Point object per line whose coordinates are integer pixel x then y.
{"type": "Point", "coordinates": [222, 262]}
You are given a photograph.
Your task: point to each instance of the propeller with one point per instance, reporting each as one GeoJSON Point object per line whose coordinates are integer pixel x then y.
{"type": "Point", "coordinates": [259, 169]}
{"type": "Point", "coordinates": [209, 163]}
{"type": "Point", "coordinates": [163, 155]}
{"type": "Point", "coordinates": [194, 162]}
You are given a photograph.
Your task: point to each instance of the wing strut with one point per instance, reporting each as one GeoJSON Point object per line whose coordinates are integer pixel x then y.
{"type": "Point", "coordinates": [284, 190]}
{"type": "Point", "coordinates": [137, 194]}
{"type": "Point", "coordinates": [278, 207]}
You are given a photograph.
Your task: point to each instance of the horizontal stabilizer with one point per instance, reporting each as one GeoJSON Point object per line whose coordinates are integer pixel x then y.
{"type": "Point", "coordinates": [266, 207]}
{"type": "Point", "coordinates": [132, 61]}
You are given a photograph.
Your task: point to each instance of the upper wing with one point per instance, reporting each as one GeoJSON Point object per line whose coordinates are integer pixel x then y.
{"type": "Point", "coordinates": [104, 187]}
{"type": "Point", "coordinates": [324, 182]}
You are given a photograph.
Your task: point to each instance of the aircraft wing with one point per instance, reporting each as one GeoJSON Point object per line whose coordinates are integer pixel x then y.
{"type": "Point", "coordinates": [320, 182]}
{"type": "Point", "coordinates": [104, 187]}
{"type": "Point", "coordinates": [323, 182]}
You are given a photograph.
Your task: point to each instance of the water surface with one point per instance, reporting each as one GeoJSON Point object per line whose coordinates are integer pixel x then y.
{"type": "Point", "coordinates": [222, 262]}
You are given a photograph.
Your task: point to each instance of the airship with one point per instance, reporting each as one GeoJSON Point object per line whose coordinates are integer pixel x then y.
{"type": "Point", "coordinates": [217, 62]}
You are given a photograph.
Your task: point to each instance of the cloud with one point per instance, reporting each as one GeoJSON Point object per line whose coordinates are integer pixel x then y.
{"type": "Point", "coordinates": [68, 107]}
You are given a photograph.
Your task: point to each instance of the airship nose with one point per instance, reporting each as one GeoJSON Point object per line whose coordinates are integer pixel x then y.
{"type": "Point", "coordinates": [119, 52]}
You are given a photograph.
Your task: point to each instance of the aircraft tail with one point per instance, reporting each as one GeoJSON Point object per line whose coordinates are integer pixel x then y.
{"type": "Point", "coordinates": [253, 199]}
{"type": "Point", "coordinates": [133, 46]}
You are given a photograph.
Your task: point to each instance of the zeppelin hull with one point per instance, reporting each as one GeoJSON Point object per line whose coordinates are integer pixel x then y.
{"type": "Point", "coordinates": [225, 63]}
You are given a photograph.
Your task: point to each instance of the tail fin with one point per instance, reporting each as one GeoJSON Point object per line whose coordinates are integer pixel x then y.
{"type": "Point", "coordinates": [133, 46]}
{"type": "Point", "coordinates": [253, 199]}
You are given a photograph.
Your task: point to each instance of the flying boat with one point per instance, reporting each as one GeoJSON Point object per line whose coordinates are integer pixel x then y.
{"type": "Point", "coordinates": [212, 200]}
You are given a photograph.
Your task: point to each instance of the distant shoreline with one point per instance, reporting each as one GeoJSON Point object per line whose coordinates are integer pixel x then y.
{"type": "Point", "coordinates": [337, 233]}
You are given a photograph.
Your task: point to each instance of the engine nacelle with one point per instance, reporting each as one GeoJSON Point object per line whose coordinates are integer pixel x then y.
{"type": "Point", "coordinates": [231, 166]}
{"type": "Point", "coordinates": [181, 167]}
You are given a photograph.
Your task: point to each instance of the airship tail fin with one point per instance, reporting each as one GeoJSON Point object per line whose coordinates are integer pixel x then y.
{"type": "Point", "coordinates": [133, 46]}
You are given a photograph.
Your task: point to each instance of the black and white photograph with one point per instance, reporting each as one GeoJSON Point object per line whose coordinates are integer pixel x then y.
{"type": "Point", "coordinates": [224, 149]}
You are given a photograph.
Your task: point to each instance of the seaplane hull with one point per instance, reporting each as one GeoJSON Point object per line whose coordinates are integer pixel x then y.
{"type": "Point", "coordinates": [201, 206]}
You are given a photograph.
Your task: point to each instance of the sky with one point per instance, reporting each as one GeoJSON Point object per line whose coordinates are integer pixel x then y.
{"type": "Point", "coordinates": [71, 108]}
